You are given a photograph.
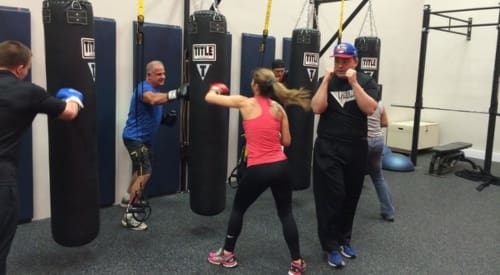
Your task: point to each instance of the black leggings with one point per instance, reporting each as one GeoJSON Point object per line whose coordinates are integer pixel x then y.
{"type": "Point", "coordinates": [256, 180]}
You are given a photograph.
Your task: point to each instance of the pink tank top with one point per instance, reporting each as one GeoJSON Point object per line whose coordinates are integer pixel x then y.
{"type": "Point", "coordinates": [262, 135]}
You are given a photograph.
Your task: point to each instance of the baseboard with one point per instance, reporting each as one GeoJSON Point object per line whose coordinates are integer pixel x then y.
{"type": "Point", "coordinates": [478, 154]}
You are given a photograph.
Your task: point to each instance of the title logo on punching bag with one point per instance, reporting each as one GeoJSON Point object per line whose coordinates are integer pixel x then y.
{"type": "Point", "coordinates": [88, 52]}
{"type": "Point", "coordinates": [204, 53]}
{"type": "Point", "coordinates": [368, 63]}
{"type": "Point", "coordinates": [311, 73]}
{"type": "Point", "coordinates": [88, 48]}
{"type": "Point", "coordinates": [311, 60]}
{"type": "Point", "coordinates": [92, 69]}
{"type": "Point", "coordinates": [203, 69]}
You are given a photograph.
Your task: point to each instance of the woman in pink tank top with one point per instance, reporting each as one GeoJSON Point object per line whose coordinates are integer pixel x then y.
{"type": "Point", "coordinates": [266, 130]}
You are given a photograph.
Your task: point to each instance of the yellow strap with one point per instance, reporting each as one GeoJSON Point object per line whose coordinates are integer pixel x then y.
{"type": "Point", "coordinates": [140, 22]}
{"type": "Point", "coordinates": [268, 17]}
{"type": "Point", "coordinates": [140, 12]}
{"type": "Point", "coordinates": [341, 20]}
{"type": "Point", "coordinates": [265, 32]}
{"type": "Point", "coordinates": [140, 8]}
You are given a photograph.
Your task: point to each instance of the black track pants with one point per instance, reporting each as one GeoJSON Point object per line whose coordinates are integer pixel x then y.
{"type": "Point", "coordinates": [338, 173]}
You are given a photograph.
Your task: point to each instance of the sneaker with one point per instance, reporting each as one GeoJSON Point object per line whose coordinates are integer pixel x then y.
{"type": "Point", "coordinates": [297, 268]}
{"type": "Point", "coordinates": [335, 260]}
{"type": "Point", "coordinates": [129, 222]}
{"type": "Point", "coordinates": [386, 217]}
{"type": "Point", "coordinates": [218, 258]}
{"type": "Point", "coordinates": [125, 201]}
{"type": "Point", "coordinates": [347, 251]}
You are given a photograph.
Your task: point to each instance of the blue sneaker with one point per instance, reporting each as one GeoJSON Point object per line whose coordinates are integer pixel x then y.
{"type": "Point", "coordinates": [335, 260]}
{"type": "Point", "coordinates": [347, 251]}
{"type": "Point", "coordinates": [386, 217]}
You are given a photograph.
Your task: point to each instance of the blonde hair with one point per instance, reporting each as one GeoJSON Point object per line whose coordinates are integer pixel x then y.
{"type": "Point", "coordinates": [269, 86]}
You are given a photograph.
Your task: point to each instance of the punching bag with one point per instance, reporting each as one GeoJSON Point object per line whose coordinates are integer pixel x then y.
{"type": "Point", "coordinates": [368, 55]}
{"type": "Point", "coordinates": [69, 59]}
{"type": "Point", "coordinates": [303, 73]}
{"type": "Point", "coordinates": [208, 124]}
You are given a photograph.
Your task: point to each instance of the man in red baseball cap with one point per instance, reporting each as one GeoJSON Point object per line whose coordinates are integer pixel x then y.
{"type": "Point", "coordinates": [346, 57]}
{"type": "Point", "coordinates": [345, 50]}
{"type": "Point", "coordinates": [343, 100]}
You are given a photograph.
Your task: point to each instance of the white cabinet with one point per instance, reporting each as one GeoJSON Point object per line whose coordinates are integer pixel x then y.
{"type": "Point", "coordinates": [399, 135]}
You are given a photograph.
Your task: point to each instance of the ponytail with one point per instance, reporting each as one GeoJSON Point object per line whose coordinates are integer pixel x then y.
{"type": "Point", "coordinates": [269, 86]}
{"type": "Point", "coordinates": [287, 96]}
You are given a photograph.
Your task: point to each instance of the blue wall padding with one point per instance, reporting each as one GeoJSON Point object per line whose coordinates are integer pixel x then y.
{"type": "Point", "coordinates": [164, 43]}
{"type": "Point", "coordinates": [287, 52]}
{"type": "Point", "coordinates": [250, 58]}
{"type": "Point", "coordinates": [16, 25]}
{"type": "Point", "coordinates": [105, 41]}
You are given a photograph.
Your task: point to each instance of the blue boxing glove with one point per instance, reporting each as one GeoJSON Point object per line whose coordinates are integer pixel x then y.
{"type": "Point", "coordinates": [70, 94]}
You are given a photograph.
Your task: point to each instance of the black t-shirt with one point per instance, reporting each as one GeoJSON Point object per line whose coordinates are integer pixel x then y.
{"type": "Point", "coordinates": [20, 101]}
{"type": "Point", "coordinates": [343, 120]}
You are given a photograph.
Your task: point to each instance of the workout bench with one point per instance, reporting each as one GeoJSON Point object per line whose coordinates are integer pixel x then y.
{"type": "Point", "coordinates": [445, 157]}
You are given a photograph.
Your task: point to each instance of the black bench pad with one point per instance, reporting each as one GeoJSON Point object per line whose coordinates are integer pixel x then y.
{"type": "Point", "coordinates": [445, 157]}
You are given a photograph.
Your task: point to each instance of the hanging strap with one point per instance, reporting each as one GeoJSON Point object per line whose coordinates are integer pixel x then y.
{"type": "Point", "coordinates": [139, 56]}
{"type": "Point", "coordinates": [237, 171]}
{"type": "Point", "coordinates": [268, 17]}
{"type": "Point", "coordinates": [265, 32]}
{"type": "Point", "coordinates": [341, 21]}
{"type": "Point", "coordinates": [373, 27]}
{"type": "Point", "coordinates": [311, 15]}
{"type": "Point", "coordinates": [140, 22]}
{"type": "Point", "coordinates": [215, 6]}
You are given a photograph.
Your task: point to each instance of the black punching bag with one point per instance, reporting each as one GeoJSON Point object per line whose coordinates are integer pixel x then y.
{"type": "Point", "coordinates": [208, 124]}
{"type": "Point", "coordinates": [303, 73]}
{"type": "Point", "coordinates": [368, 55]}
{"type": "Point", "coordinates": [70, 62]}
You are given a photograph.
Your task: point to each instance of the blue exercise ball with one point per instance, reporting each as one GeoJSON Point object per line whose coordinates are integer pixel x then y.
{"type": "Point", "coordinates": [397, 162]}
{"type": "Point", "coordinates": [386, 151]}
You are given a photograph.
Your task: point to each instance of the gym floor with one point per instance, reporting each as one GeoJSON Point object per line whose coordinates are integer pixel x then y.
{"type": "Point", "coordinates": [443, 226]}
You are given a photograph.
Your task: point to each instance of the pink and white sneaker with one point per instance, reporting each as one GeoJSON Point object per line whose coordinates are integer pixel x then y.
{"type": "Point", "coordinates": [218, 258]}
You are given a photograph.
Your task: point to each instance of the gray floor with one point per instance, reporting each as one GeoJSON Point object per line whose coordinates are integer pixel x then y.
{"type": "Point", "coordinates": [443, 226]}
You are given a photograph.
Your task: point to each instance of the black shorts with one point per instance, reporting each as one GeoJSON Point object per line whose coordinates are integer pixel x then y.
{"type": "Point", "coordinates": [140, 154]}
